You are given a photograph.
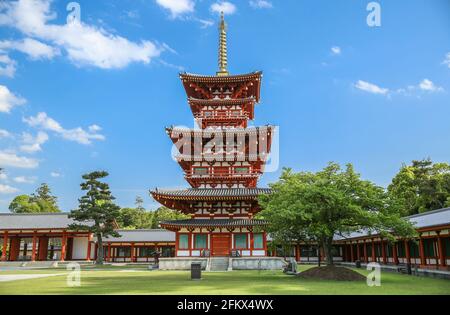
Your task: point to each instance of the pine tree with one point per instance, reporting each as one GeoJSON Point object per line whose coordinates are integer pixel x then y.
{"type": "Point", "coordinates": [96, 212]}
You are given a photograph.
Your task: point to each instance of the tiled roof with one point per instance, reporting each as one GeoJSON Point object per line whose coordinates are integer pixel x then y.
{"type": "Point", "coordinates": [212, 192]}
{"type": "Point", "coordinates": [214, 223]}
{"type": "Point", "coordinates": [431, 218]}
{"type": "Point", "coordinates": [220, 102]}
{"type": "Point", "coordinates": [219, 79]}
{"type": "Point", "coordinates": [427, 219]}
{"type": "Point", "coordinates": [225, 131]}
{"type": "Point", "coordinates": [26, 221]}
{"type": "Point", "coordinates": [143, 236]}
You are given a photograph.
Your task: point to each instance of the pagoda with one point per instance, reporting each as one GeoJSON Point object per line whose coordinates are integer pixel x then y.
{"type": "Point", "coordinates": [222, 160]}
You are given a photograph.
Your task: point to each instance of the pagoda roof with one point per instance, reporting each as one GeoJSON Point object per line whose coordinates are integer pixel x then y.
{"type": "Point", "coordinates": [226, 223]}
{"type": "Point", "coordinates": [220, 79]}
{"type": "Point", "coordinates": [199, 86]}
{"type": "Point", "coordinates": [211, 193]}
{"type": "Point", "coordinates": [211, 131]}
{"type": "Point", "coordinates": [220, 101]}
{"type": "Point", "coordinates": [223, 157]}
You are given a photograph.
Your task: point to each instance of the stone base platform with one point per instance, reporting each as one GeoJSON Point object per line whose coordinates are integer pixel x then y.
{"type": "Point", "coordinates": [241, 263]}
{"type": "Point", "coordinates": [257, 263]}
{"type": "Point", "coordinates": [181, 263]}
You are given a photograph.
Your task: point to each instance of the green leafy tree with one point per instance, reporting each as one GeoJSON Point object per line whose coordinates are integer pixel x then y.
{"type": "Point", "coordinates": [135, 218]}
{"type": "Point", "coordinates": [43, 196]}
{"type": "Point", "coordinates": [23, 204]}
{"type": "Point", "coordinates": [166, 214]}
{"type": "Point", "coordinates": [42, 201]}
{"type": "Point", "coordinates": [96, 212]}
{"type": "Point", "coordinates": [421, 186]}
{"type": "Point", "coordinates": [316, 207]}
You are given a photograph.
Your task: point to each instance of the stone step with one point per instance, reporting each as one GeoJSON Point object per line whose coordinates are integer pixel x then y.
{"type": "Point", "coordinates": [219, 264]}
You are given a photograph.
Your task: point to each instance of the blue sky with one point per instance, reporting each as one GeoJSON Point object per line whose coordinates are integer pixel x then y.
{"type": "Point", "coordinates": [98, 94]}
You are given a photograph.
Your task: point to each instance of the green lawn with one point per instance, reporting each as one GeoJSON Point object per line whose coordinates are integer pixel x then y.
{"type": "Point", "coordinates": [138, 280]}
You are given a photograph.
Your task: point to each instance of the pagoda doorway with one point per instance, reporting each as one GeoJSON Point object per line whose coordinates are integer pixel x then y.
{"type": "Point", "coordinates": [220, 244]}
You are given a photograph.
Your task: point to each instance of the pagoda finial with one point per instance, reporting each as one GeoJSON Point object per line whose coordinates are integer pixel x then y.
{"type": "Point", "coordinates": [223, 60]}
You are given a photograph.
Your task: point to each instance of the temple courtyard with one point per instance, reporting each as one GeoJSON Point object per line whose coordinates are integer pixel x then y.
{"type": "Point", "coordinates": [139, 280]}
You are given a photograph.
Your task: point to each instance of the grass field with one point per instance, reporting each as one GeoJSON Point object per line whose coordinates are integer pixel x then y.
{"type": "Point", "coordinates": [136, 280]}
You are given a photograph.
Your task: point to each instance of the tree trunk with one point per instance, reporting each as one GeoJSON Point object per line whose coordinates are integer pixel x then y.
{"type": "Point", "coordinates": [329, 251]}
{"type": "Point", "coordinates": [99, 260]}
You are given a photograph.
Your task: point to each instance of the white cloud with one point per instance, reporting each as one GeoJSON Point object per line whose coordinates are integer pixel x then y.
{"type": "Point", "coordinates": [6, 189]}
{"type": "Point", "coordinates": [261, 4]}
{"type": "Point", "coordinates": [8, 100]}
{"type": "Point", "coordinates": [204, 23]}
{"type": "Point", "coordinates": [55, 174]}
{"type": "Point", "coordinates": [33, 144]}
{"type": "Point", "coordinates": [3, 176]}
{"type": "Point", "coordinates": [7, 66]}
{"type": "Point", "coordinates": [84, 44]}
{"type": "Point", "coordinates": [177, 7]}
{"type": "Point", "coordinates": [10, 159]}
{"type": "Point", "coordinates": [447, 60]}
{"type": "Point", "coordinates": [336, 50]}
{"type": "Point", "coordinates": [370, 87]}
{"type": "Point", "coordinates": [24, 180]}
{"type": "Point", "coordinates": [43, 121]}
{"type": "Point", "coordinates": [427, 85]}
{"type": "Point", "coordinates": [94, 128]}
{"type": "Point", "coordinates": [223, 6]}
{"type": "Point", "coordinates": [5, 133]}
{"type": "Point", "coordinates": [33, 48]}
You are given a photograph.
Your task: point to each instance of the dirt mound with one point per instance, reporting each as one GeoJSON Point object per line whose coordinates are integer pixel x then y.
{"type": "Point", "coordinates": [331, 273]}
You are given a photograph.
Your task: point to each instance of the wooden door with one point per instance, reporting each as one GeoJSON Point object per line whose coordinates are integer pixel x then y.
{"type": "Point", "coordinates": [220, 244]}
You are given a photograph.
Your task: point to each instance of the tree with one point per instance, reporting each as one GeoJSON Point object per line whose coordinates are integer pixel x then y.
{"type": "Point", "coordinates": [316, 207]}
{"type": "Point", "coordinates": [166, 214]}
{"type": "Point", "coordinates": [421, 186]}
{"type": "Point", "coordinates": [96, 211]}
{"type": "Point", "coordinates": [135, 218]}
{"type": "Point", "coordinates": [23, 204]}
{"type": "Point", "coordinates": [42, 201]}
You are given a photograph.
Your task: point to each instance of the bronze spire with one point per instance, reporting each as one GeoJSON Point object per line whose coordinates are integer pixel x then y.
{"type": "Point", "coordinates": [223, 61]}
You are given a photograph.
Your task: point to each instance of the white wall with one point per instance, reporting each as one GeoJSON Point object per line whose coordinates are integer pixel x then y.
{"type": "Point", "coordinates": [79, 251]}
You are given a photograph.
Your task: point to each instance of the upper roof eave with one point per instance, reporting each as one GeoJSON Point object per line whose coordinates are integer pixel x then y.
{"type": "Point", "coordinates": [216, 78]}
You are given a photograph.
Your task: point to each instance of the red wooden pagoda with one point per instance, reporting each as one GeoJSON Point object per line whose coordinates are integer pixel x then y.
{"type": "Point", "coordinates": [222, 161]}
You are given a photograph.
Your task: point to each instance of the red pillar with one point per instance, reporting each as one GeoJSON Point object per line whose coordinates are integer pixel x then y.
{"type": "Point", "coordinates": [108, 255]}
{"type": "Point", "coordinates": [132, 252]}
{"type": "Point", "coordinates": [297, 252]}
{"type": "Point", "coordinates": [88, 254]}
{"type": "Point", "coordinates": [394, 253]}
{"type": "Point", "coordinates": [63, 246]}
{"type": "Point", "coordinates": [344, 252]}
{"type": "Point", "coordinates": [408, 255]}
{"type": "Point", "coordinates": [383, 252]}
{"type": "Point", "coordinates": [352, 257]}
{"type": "Point", "coordinates": [5, 245]}
{"type": "Point", "coordinates": [358, 251]}
{"type": "Point", "coordinates": [43, 248]}
{"type": "Point", "coordinates": [33, 248]}
{"type": "Point", "coordinates": [423, 261]}
{"type": "Point", "coordinates": [14, 248]}
{"type": "Point", "coordinates": [374, 258]}
{"type": "Point", "coordinates": [264, 241]}
{"type": "Point", "coordinates": [366, 259]}
{"type": "Point", "coordinates": [441, 251]}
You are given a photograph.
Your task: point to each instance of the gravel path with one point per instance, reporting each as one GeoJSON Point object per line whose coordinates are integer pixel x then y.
{"type": "Point", "coordinates": [7, 278]}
